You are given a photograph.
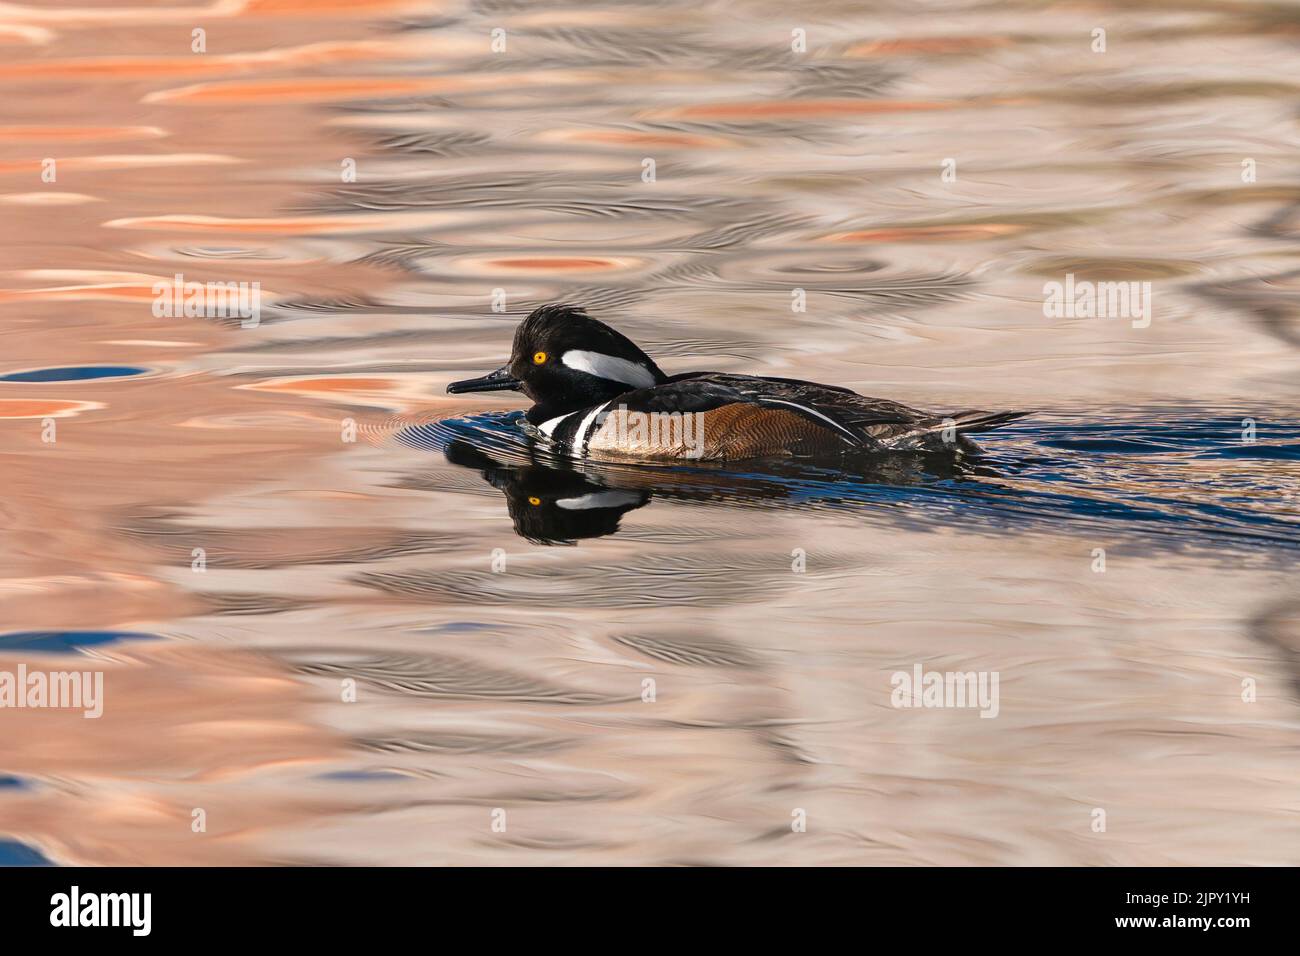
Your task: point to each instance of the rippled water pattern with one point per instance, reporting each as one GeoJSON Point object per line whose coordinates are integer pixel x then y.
{"type": "Point", "coordinates": [238, 522]}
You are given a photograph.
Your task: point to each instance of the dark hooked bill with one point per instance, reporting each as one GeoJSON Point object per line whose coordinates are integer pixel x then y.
{"type": "Point", "coordinates": [498, 381]}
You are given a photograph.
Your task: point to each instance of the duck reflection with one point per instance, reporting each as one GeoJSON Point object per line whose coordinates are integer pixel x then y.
{"type": "Point", "coordinates": [560, 501]}
{"type": "Point", "coordinates": [549, 505]}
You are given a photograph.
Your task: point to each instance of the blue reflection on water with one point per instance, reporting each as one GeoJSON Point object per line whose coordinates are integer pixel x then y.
{"type": "Point", "coordinates": [13, 853]}
{"type": "Point", "coordinates": [64, 642]}
{"type": "Point", "coordinates": [73, 373]}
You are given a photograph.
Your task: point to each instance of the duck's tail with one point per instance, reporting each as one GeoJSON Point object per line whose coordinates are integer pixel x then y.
{"type": "Point", "coordinates": [948, 428]}
{"type": "Point", "coordinates": [976, 421]}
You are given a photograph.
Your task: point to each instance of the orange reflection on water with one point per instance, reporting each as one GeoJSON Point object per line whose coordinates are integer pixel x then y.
{"type": "Point", "coordinates": [55, 134]}
{"type": "Point", "coordinates": [44, 408]}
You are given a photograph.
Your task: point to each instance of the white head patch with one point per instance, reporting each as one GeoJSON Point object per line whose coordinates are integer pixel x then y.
{"type": "Point", "coordinates": [608, 367]}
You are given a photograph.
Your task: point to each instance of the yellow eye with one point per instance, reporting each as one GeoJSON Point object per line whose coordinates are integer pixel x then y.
{"type": "Point", "coordinates": [535, 501]}
{"type": "Point", "coordinates": [539, 358]}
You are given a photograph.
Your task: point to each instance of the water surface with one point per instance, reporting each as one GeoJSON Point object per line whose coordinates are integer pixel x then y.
{"type": "Point", "coordinates": [679, 668]}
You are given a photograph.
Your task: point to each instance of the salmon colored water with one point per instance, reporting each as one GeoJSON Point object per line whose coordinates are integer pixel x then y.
{"type": "Point", "coordinates": [332, 627]}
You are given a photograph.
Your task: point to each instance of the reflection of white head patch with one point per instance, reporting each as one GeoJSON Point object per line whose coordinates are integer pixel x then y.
{"type": "Point", "coordinates": [608, 367]}
{"type": "Point", "coordinates": [600, 499]}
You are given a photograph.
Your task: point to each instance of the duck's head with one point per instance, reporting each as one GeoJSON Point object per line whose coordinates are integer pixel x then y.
{"type": "Point", "coordinates": [565, 360]}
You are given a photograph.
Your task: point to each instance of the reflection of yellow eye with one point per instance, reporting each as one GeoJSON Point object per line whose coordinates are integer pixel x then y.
{"type": "Point", "coordinates": [535, 501]}
{"type": "Point", "coordinates": [539, 358]}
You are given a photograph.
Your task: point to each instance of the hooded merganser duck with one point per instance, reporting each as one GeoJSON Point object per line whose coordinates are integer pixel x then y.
{"type": "Point", "coordinates": [597, 395]}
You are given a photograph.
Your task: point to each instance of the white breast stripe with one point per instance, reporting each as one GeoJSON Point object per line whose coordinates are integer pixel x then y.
{"type": "Point", "coordinates": [548, 427]}
{"type": "Point", "coordinates": [851, 438]}
{"type": "Point", "coordinates": [580, 436]}
{"type": "Point", "coordinates": [608, 367]}
{"type": "Point", "coordinates": [599, 499]}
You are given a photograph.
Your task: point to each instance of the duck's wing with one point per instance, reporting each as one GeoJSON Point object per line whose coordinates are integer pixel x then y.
{"type": "Point", "coordinates": [857, 419]}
